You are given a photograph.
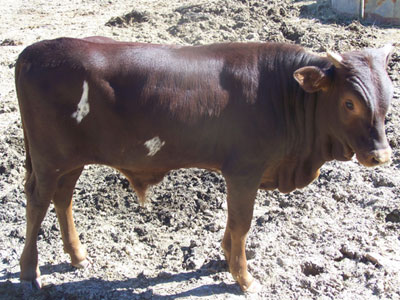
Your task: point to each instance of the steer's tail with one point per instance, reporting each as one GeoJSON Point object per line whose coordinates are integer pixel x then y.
{"type": "Point", "coordinates": [28, 163]}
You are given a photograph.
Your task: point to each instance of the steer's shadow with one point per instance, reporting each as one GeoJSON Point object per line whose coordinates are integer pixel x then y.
{"type": "Point", "coordinates": [98, 288]}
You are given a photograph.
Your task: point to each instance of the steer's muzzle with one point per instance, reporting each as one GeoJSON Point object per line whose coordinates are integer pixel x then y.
{"type": "Point", "coordinates": [375, 157]}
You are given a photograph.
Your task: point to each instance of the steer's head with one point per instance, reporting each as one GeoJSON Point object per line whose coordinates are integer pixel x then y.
{"type": "Point", "coordinates": [354, 96]}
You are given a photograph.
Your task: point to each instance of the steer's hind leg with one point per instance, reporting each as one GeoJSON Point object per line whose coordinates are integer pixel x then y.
{"type": "Point", "coordinates": [241, 197]}
{"type": "Point", "coordinates": [63, 205]}
{"type": "Point", "coordinates": [39, 190]}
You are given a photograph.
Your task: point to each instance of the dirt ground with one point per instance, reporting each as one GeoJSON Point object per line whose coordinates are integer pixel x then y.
{"type": "Point", "coordinates": [338, 238]}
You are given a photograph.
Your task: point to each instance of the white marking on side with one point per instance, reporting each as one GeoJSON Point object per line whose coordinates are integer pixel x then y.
{"type": "Point", "coordinates": [154, 145]}
{"type": "Point", "coordinates": [83, 105]}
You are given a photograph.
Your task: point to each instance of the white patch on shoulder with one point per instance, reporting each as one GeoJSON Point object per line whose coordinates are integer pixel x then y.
{"type": "Point", "coordinates": [83, 105]}
{"type": "Point", "coordinates": [154, 145]}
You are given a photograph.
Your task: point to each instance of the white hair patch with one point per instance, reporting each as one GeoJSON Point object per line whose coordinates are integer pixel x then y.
{"type": "Point", "coordinates": [154, 145]}
{"type": "Point", "coordinates": [83, 105]}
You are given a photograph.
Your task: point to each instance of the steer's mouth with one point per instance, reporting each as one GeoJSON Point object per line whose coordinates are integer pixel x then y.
{"type": "Point", "coordinates": [341, 151]}
{"type": "Point", "coordinates": [348, 152]}
{"type": "Point", "coordinates": [374, 158]}
{"type": "Point", "coordinates": [338, 150]}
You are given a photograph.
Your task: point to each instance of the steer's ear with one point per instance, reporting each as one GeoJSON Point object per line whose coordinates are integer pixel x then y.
{"type": "Point", "coordinates": [312, 79]}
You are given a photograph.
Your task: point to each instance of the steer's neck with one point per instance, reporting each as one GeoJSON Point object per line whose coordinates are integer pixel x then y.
{"type": "Point", "coordinates": [293, 109]}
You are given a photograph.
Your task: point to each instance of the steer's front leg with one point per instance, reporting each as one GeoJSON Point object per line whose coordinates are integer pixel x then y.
{"type": "Point", "coordinates": [242, 192]}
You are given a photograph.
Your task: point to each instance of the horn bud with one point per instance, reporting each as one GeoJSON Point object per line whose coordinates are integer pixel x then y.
{"type": "Point", "coordinates": [335, 58]}
{"type": "Point", "coordinates": [387, 50]}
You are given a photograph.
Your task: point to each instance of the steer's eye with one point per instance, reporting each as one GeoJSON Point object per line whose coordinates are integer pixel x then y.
{"type": "Point", "coordinates": [349, 105]}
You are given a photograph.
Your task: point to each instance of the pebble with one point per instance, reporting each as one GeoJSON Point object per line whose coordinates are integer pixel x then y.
{"type": "Point", "coordinates": [393, 216]}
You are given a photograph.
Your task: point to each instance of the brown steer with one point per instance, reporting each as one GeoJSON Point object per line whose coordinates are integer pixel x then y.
{"type": "Point", "coordinates": [266, 115]}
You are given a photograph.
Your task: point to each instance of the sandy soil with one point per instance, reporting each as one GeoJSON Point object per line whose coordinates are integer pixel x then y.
{"type": "Point", "coordinates": [339, 238]}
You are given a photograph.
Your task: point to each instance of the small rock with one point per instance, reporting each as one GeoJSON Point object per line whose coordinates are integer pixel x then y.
{"type": "Point", "coordinates": [250, 36]}
{"type": "Point", "coordinates": [374, 258]}
{"type": "Point", "coordinates": [386, 262]}
{"type": "Point", "coordinates": [346, 275]}
{"type": "Point", "coordinates": [312, 268]}
{"type": "Point", "coordinates": [15, 233]}
{"type": "Point", "coordinates": [193, 263]}
{"type": "Point", "coordinates": [251, 254]}
{"type": "Point", "coordinates": [224, 27]}
{"type": "Point", "coordinates": [349, 252]}
{"type": "Point", "coordinates": [339, 196]}
{"type": "Point", "coordinates": [393, 216]}
{"type": "Point", "coordinates": [291, 32]}
{"type": "Point", "coordinates": [2, 170]}
{"type": "Point", "coordinates": [355, 26]}
{"type": "Point", "coordinates": [8, 42]}
{"type": "Point", "coordinates": [194, 243]}
{"type": "Point", "coordinates": [380, 180]}
{"type": "Point", "coordinates": [129, 251]}
{"type": "Point", "coordinates": [129, 19]}
{"type": "Point", "coordinates": [141, 231]}
{"type": "Point", "coordinates": [262, 220]}
{"type": "Point", "coordinates": [213, 227]}
{"type": "Point", "coordinates": [280, 262]}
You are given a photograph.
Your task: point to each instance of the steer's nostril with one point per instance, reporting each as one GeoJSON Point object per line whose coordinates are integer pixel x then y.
{"type": "Point", "coordinates": [379, 157]}
{"type": "Point", "coordinates": [375, 161]}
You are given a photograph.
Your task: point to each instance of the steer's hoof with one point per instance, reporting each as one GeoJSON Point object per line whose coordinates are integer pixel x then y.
{"type": "Point", "coordinates": [254, 287]}
{"type": "Point", "coordinates": [82, 264]}
{"type": "Point", "coordinates": [31, 286]}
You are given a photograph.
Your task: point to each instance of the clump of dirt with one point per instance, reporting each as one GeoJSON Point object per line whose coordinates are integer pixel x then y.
{"type": "Point", "coordinates": [393, 216]}
{"type": "Point", "coordinates": [129, 19]}
{"type": "Point", "coordinates": [9, 42]}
